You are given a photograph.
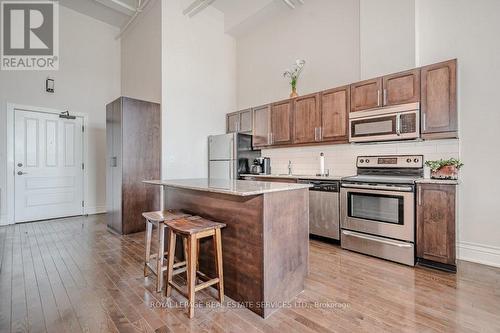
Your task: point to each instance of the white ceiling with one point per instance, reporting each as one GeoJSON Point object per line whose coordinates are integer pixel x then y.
{"type": "Point", "coordinates": [100, 11]}
{"type": "Point", "coordinates": [239, 15]}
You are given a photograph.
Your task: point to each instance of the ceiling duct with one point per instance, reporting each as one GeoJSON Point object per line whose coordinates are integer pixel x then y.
{"type": "Point", "coordinates": [197, 6]}
{"type": "Point", "coordinates": [119, 6]}
{"type": "Point", "coordinates": [293, 3]}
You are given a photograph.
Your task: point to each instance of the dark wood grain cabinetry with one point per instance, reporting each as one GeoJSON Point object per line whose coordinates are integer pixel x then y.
{"type": "Point", "coordinates": [239, 122]}
{"type": "Point", "coordinates": [436, 224]}
{"type": "Point", "coordinates": [439, 100]}
{"type": "Point", "coordinates": [307, 119]}
{"type": "Point", "coordinates": [366, 94]}
{"type": "Point", "coordinates": [133, 136]}
{"type": "Point", "coordinates": [335, 105]}
{"type": "Point", "coordinates": [323, 117]}
{"type": "Point", "coordinates": [282, 122]}
{"type": "Point", "coordinates": [262, 126]}
{"type": "Point", "coordinates": [401, 88]}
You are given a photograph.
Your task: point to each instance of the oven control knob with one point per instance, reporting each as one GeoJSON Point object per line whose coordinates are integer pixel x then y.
{"type": "Point", "coordinates": [416, 160]}
{"type": "Point", "coordinates": [367, 161]}
{"type": "Point", "coordinates": [408, 160]}
{"type": "Point", "coordinates": [361, 161]}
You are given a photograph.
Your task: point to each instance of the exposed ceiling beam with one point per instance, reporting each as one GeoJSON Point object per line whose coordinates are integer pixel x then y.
{"type": "Point", "coordinates": [141, 4]}
{"type": "Point", "coordinates": [118, 6]}
{"type": "Point", "coordinates": [196, 6]}
{"type": "Point", "coordinates": [293, 3]}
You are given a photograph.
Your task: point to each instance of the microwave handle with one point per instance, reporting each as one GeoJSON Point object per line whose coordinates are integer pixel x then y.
{"type": "Point", "coordinates": [398, 124]}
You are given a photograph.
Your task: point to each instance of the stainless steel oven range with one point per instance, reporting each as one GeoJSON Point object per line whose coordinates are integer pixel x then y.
{"type": "Point", "coordinates": [377, 207]}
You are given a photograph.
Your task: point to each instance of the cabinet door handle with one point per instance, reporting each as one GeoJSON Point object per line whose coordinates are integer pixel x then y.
{"type": "Point", "coordinates": [398, 124]}
{"type": "Point", "coordinates": [385, 96]}
{"type": "Point", "coordinates": [378, 97]}
{"type": "Point", "coordinates": [320, 133]}
{"type": "Point", "coordinates": [424, 120]}
{"type": "Point", "coordinates": [315, 134]}
{"type": "Point", "coordinates": [419, 196]}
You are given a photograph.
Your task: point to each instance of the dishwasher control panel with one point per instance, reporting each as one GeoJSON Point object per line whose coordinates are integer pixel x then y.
{"type": "Point", "coordinates": [319, 185]}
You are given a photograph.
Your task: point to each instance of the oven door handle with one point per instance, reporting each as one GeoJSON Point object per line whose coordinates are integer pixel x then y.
{"type": "Point", "coordinates": [380, 187]}
{"type": "Point", "coordinates": [375, 239]}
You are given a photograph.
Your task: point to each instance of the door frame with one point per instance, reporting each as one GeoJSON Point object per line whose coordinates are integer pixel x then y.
{"type": "Point", "coordinates": [10, 191]}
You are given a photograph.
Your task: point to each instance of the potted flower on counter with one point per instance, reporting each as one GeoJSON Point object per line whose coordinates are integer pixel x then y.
{"type": "Point", "coordinates": [444, 169]}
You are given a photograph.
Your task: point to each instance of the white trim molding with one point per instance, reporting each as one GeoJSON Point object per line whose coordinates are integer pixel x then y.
{"type": "Point", "coordinates": [95, 210]}
{"type": "Point", "coordinates": [479, 253]}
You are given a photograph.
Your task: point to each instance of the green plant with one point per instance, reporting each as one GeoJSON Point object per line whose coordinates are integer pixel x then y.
{"type": "Point", "coordinates": [438, 164]}
{"type": "Point", "coordinates": [293, 73]}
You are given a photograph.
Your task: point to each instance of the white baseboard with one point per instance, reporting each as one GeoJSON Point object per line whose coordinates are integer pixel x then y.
{"type": "Point", "coordinates": [3, 220]}
{"type": "Point", "coordinates": [481, 254]}
{"type": "Point", "coordinates": [95, 210]}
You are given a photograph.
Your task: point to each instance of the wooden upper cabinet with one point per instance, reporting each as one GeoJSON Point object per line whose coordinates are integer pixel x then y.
{"type": "Point", "coordinates": [261, 126]}
{"type": "Point", "coordinates": [307, 119]}
{"type": "Point", "coordinates": [366, 94]}
{"type": "Point", "coordinates": [439, 100]}
{"type": "Point", "coordinates": [436, 223]}
{"type": "Point", "coordinates": [232, 121]}
{"type": "Point", "coordinates": [240, 121]}
{"type": "Point", "coordinates": [246, 121]}
{"type": "Point", "coordinates": [335, 105]}
{"type": "Point", "coordinates": [401, 88]}
{"type": "Point", "coordinates": [282, 122]}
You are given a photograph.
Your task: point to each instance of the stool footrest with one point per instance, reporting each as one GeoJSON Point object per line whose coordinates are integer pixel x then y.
{"type": "Point", "coordinates": [206, 284]}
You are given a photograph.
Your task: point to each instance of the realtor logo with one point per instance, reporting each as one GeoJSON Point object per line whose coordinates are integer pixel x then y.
{"type": "Point", "coordinates": [30, 35]}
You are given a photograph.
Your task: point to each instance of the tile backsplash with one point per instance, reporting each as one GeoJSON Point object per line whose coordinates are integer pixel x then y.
{"type": "Point", "coordinates": [341, 159]}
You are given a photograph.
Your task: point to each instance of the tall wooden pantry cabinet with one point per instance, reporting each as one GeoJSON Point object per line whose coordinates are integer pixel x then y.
{"type": "Point", "coordinates": [133, 132]}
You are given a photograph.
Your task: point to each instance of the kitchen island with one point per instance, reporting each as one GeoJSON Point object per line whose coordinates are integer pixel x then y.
{"type": "Point", "coordinates": [266, 242]}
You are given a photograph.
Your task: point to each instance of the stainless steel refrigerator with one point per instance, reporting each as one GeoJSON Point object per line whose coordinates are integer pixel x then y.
{"type": "Point", "coordinates": [229, 155]}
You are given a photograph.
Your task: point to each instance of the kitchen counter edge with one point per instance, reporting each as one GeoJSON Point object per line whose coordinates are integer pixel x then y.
{"type": "Point", "coordinates": [237, 187]}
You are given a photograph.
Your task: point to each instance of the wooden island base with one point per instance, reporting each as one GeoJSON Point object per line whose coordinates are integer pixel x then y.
{"type": "Point", "coordinates": [265, 244]}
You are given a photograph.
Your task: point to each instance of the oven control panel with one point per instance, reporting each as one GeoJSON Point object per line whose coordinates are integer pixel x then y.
{"type": "Point", "coordinates": [390, 161]}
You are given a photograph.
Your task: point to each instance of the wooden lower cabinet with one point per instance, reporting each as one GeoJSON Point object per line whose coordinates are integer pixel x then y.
{"type": "Point", "coordinates": [436, 204]}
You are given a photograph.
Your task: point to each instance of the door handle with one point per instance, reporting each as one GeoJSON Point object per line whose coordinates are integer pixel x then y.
{"type": "Point", "coordinates": [20, 173]}
{"type": "Point", "coordinates": [378, 97]}
{"type": "Point", "coordinates": [385, 96]}
{"type": "Point", "coordinates": [114, 162]}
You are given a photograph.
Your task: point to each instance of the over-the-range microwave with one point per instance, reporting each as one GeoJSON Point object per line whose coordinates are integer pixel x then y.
{"type": "Point", "coordinates": [401, 122]}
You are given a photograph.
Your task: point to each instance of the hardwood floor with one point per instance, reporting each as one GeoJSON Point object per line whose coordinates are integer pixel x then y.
{"type": "Point", "coordinates": [73, 275]}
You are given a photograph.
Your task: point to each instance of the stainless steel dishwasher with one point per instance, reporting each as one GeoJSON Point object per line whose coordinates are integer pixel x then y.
{"type": "Point", "coordinates": [324, 211]}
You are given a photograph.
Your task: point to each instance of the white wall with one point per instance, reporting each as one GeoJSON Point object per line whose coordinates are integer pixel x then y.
{"type": "Point", "coordinates": [323, 32]}
{"type": "Point", "coordinates": [141, 56]}
{"type": "Point", "coordinates": [88, 78]}
{"type": "Point", "coordinates": [341, 159]}
{"type": "Point", "coordinates": [468, 30]}
{"type": "Point", "coordinates": [199, 87]}
{"type": "Point", "coordinates": [387, 36]}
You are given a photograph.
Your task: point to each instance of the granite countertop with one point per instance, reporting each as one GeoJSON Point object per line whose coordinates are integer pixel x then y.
{"type": "Point", "coordinates": [313, 177]}
{"type": "Point", "coordinates": [437, 181]}
{"type": "Point", "coordinates": [232, 187]}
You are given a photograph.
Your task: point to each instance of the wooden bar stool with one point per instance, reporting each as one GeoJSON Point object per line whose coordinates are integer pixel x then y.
{"type": "Point", "coordinates": [158, 220]}
{"type": "Point", "coordinates": [193, 229]}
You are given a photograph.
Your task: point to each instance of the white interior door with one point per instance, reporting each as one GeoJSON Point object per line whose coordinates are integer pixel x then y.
{"type": "Point", "coordinates": [48, 166]}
